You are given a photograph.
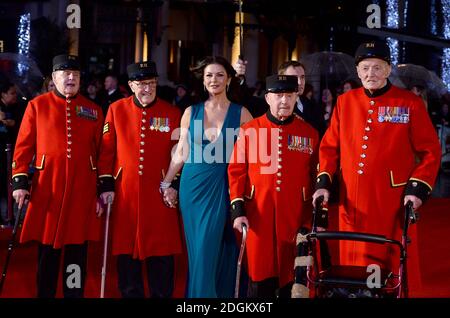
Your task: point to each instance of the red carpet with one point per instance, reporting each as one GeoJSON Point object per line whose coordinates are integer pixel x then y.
{"type": "Point", "coordinates": [434, 259]}
{"type": "Point", "coordinates": [21, 276]}
{"type": "Point", "coordinates": [434, 247]}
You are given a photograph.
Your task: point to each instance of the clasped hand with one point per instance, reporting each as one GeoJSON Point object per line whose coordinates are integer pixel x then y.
{"type": "Point", "coordinates": [170, 197]}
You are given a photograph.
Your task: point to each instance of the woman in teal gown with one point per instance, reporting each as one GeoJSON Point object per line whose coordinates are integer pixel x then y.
{"type": "Point", "coordinates": [208, 133]}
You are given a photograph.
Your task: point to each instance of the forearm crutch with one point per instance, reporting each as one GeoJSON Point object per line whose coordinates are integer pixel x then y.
{"type": "Point", "coordinates": [11, 245]}
{"type": "Point", "coordinates": [105, 246]}
{"type": "Point", "coordinates": [239, 263]}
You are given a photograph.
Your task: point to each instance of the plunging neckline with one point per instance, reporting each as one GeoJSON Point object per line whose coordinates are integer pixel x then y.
{"type": "Point", "coordinates": [221, 128]}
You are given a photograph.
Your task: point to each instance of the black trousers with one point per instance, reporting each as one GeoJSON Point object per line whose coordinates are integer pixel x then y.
{"type": "Point", "coordinates": [160, 276]}
{"type": "Point", "coordinates": [268, 288]}
{"type": "Point", "coordinates": [74, 270]}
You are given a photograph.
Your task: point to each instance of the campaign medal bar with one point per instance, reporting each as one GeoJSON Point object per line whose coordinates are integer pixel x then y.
{"type": "Point", "coordinates": [381, 113]}
{"type": "Point", "coordinates": [152, 123]}
{"type": "Point", "coordinates": [167, 125]}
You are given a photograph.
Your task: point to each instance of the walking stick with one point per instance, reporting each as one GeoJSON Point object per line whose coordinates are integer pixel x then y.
{"type": "Point", "coordinates": [241, 255]}
{"type": "Point", "coordinates": [10, 209]}
{"type": "Point", "coordinates": [105, 246]}
{"type": "Point", "coordinates": [11, 244]}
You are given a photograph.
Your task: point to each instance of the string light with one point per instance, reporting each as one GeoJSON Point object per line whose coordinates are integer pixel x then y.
{"type": "Point", "coordinates": [404, 24]}
{"type": "Point", "coordinates": [24, 34]}
{"type": "Point", "coordinates": [445, 67]}
{"type": "Point", "coordinates": [393, 46]}
{"type": "Point", "coordinates": [446, 15]}
{"type": "Point", "coordinates": [433, 20]}
{"type": "Point", "coordinates": [24, 39]}
{"type": "Point", "coordinates": [405, 13]}
{"type": "Point", "coordinates": [392, 18]}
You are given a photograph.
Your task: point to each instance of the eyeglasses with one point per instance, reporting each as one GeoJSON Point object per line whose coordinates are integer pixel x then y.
{"type": "Point", "coordinates": [143, 85]}
{"type": "Point", "coordinates": [67, 73]}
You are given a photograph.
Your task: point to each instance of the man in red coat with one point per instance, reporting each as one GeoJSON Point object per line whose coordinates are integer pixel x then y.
{"type": "Point", "coordinates": [270, 179]}
{"type": "Point", "coordinates": [138, 137]}
{"type": "Point", "coordinates": [62, 130]}
{"type": "Point", "coordinates": [389, 154]}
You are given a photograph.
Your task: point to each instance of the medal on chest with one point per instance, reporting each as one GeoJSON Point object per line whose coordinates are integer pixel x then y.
{"type": "Point", "coordinates": [396, 115]}
{"type": "Point", "coordinates": [161, 124]}
{"type": "Point", "coordinates": [302, 144]}
{"type": "Point", "coordinates": [86, 112]}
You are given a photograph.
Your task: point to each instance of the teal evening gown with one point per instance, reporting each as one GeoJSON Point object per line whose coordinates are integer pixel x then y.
{"type": "Point", "coordinates": [204, 204]}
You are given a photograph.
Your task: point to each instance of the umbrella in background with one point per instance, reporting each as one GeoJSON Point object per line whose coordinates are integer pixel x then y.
{"type": "Point", "coordinates": [328, 69]}
{"type": "Point", "coordinates": [23, 72]}
{"type": "Point", "coordinates": [409, 75]}
{"type": "Point", "coordinates": [241, 32]}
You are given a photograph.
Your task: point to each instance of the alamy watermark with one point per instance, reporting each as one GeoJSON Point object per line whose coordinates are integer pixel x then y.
{"type": "Point", "coordinates": [73, 280]}
{"type": "Point", "coordinates": [260, 146]}
{"type": "Point", "coordinates": [73, 20]}
{"type": "Point", "coordinates": [374, 279]}
{"type": "Point", "coordinates": [374, 19]}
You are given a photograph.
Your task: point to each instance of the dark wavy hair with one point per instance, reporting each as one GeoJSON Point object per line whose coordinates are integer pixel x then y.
{"type": "Point", "coordinates": [200, 67]}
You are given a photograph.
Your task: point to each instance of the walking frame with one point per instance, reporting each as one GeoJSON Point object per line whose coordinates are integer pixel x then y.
{"type": "Point", "coordinates": [329, 280]}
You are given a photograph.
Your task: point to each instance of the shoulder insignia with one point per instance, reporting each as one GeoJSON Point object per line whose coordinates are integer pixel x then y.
{"type": "Point", "coordinates": [106, 128]}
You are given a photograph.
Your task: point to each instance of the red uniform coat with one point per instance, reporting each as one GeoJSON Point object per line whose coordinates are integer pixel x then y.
{"type": "Point", "coordinates": [277, 198]}
{"type": "Point", "coordinates": [64, 136]}
{"type": "Point", "coordinates": [136, 150]}
{"type": "Point", "coordinates": [377, 140]}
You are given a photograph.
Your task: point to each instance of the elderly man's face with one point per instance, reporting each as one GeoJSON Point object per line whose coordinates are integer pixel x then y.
{"type": "Point", "coordinates": [67, 82]}
{"type": "Point", "coordinates": [145, 90]}
{"type": "Point", "coordinates": [373, 73]}
{"type": "Point", "coordinates": [281, 104]}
